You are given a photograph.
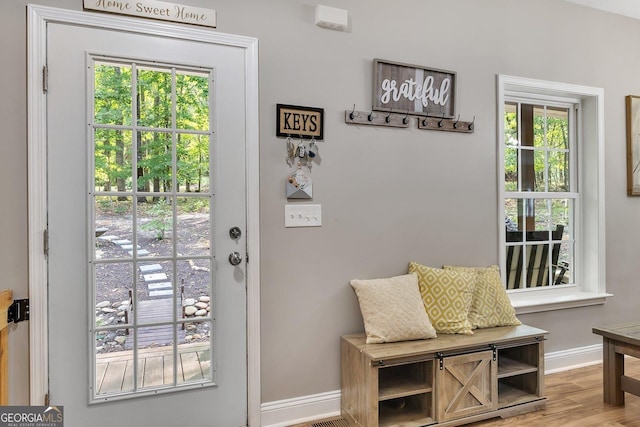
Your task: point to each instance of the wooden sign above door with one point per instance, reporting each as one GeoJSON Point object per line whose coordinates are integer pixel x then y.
{"type": "Point", "coordinates": [153, 9]}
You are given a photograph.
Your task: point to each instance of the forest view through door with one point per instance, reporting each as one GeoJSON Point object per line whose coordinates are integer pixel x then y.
{"type": "Point", "coordinates": [152, 215]}
{"type": "Point", "coordinates": [147, 228]}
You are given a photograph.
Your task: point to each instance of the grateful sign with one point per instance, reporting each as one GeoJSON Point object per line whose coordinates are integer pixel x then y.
{"type": "Point", "coordinates": [412, 89]}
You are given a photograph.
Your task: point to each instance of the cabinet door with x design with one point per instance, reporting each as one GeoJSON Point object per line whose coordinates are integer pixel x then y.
{"type": "Point", "coordinates": [466, 385]}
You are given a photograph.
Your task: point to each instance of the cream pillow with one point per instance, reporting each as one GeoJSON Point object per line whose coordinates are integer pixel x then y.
{"type": "Point", "coordinates": [491, 305]}
{"type": "Point", "coordinates": [392, 309]}
{"type": "Point", "coordinates": [447, 296]}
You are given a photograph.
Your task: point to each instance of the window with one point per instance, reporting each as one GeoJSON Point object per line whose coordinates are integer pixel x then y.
{"type": "Point", "coordinates": [540, 193]}
{"type": "Point", "coordinates": [151, 197]}
{"type": "Point", "coordinates": [551, 195]}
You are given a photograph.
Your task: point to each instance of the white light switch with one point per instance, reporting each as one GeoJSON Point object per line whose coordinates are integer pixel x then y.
{"type": "Point", "coordinates": [302, 215]}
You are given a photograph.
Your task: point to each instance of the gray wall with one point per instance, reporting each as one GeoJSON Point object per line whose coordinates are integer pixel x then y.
{"type": "Point", "coordinates": [388, 196]}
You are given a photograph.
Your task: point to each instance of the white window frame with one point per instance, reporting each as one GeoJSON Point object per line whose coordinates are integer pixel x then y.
{"type": "Point", "coordinates": [589, 287]}
{"type": "Point", "coordinates": [173, 194]}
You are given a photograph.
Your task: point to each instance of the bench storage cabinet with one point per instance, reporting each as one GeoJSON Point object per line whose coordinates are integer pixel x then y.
{"type": "Point", "coordinates": [447, 381]}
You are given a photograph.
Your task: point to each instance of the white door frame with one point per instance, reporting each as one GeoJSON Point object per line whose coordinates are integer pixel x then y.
{"type": "Point", "coordinates": [38, 18]}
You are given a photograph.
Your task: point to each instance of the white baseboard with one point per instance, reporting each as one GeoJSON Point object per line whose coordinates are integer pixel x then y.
{"type": "Point", "coordinates": [573, 358]}
{"type": "Point", "coordinates": [287, 412]}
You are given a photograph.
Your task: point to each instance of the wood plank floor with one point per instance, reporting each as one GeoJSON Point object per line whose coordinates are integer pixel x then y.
{"type": "Point", "coordinates": [574, 400]}
{"type": "Point", "coordinates": [114, 371]}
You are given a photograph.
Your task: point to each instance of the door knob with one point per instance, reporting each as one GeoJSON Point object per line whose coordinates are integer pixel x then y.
{"type": "Point", "coordinates": [235, 258]}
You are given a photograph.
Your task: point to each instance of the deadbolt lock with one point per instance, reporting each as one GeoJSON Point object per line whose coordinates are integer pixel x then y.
{"type": "Point", "coordinates": [235, 232]}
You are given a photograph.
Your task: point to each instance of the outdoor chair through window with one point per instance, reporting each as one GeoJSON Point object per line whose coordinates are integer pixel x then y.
{"type": "Point", "coordinates": [538, 257]}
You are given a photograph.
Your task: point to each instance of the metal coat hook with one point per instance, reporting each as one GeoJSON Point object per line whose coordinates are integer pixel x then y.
{"type": "Point", "coordinates": [472, 122]}
{"type": "Point", "coordinates": [386, 118]}
{"type": "Point", "coordinates": [446, 124]}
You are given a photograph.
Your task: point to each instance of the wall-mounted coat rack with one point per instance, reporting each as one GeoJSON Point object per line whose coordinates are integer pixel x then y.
{"type": "Point", "coordinates": [448, 125]}
{"type": "Point", "coordinates": [376, 118]}
{"type": "Point", "coordinates": [401, 120]}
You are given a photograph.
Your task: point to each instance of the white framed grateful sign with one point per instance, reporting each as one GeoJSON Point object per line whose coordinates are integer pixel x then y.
{"type": "Point", "coordinates": [413, 89]}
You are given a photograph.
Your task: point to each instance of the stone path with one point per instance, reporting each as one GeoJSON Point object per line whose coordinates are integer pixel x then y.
{"type": "Point", "coordinates": [158, 308]}
{"type": "Point", "coordinates": [152, 274]}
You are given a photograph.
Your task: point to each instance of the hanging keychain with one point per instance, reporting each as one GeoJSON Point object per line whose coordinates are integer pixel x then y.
{"type": "Point", "coordinates": [312, 152]}
{"type": "Point", "coordinates": [301, 151]}
{"type": "Point", "coordinates": [290, 151]}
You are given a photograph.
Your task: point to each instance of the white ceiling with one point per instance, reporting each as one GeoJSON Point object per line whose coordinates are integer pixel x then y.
{"type": "Point", "coordinates": [621, 7]}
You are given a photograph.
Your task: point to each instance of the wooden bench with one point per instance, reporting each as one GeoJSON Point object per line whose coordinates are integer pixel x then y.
{"type": "Point", "coordinates": [447, 381]}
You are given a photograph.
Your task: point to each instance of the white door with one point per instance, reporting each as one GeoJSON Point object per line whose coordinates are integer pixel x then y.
{"type": "Point", "coordinates": [146, 178]}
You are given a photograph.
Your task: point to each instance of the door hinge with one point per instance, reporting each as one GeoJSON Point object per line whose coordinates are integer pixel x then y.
{"type": "Point", "coordinates": [247, 257]}
{"type": "Point", "coordinates": [18, 311]}
{"type": "Point", "coordinates": [47, 402]}
{"type": "Point", "coordinates": [45, 242]}
{"type": "Point", "coordinates": [45, 79]}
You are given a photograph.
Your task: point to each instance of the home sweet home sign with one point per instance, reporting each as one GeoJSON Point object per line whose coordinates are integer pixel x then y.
{"type": "Point", "coordinates": [412, 89]}
{"type": "Point", "coordinates": [155, 10]}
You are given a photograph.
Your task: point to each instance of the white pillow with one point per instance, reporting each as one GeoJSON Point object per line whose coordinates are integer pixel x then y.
{"type": "Point", "coordinates": [392, 309]}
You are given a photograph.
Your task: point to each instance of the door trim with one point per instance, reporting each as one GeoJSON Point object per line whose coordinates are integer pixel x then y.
{"type": "Point", "coordinates": [37, 19]}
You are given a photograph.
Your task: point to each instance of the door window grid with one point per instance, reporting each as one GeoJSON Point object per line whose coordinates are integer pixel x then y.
{"type": "Point", "coordinates": [176, 366]}
{"type": "Point", "coordinates": [539, 194]}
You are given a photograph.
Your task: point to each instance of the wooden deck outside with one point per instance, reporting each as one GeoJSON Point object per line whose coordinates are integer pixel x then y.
{"type": "Point", "coordinates": [114, 371]}
{"type": "Point", "coordinates": [152, 311]}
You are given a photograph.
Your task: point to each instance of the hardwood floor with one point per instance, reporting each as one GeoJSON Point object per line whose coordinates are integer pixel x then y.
{"type": "Point", "coordinates": [574, 400]}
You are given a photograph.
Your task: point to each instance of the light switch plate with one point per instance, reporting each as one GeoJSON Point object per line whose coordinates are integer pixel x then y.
{"type": "Point", "coordinates": [298, 215]}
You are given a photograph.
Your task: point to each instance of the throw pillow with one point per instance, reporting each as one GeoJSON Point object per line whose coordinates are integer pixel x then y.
{"type": "Point", "coordinates": [392, 309]}
{"type": "Point", "coordinates": [447, 296]}
{"type": "Point", "coordinates": [491, 305]}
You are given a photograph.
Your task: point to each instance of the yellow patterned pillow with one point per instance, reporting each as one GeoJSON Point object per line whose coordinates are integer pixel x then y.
{"type": "Point", "coordinates": [447, 296]}
{"type": "Point", "coordinates": [392, 309]}
{"type": "Point", "coordinates": [491, 305]}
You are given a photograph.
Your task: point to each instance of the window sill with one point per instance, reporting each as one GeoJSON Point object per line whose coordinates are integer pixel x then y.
{"type": "Point", "coordinates": [554, 299]}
